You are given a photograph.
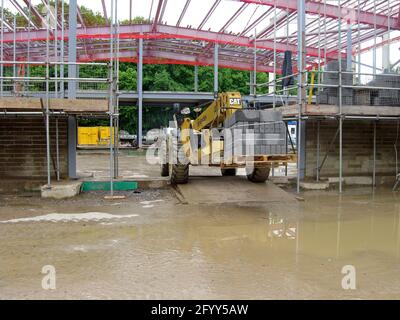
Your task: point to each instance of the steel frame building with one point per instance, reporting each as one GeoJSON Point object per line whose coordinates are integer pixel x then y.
{"type": "Point", "coordinates": [315, 31]}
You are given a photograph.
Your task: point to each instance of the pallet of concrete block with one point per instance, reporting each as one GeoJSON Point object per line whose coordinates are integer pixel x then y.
{"type": "Point", "coordinates": [386, 97]}
{"type": "Point", "coordinates": [253, 116]}
{"type": "Point", "coordinates": [363, 97]}
{"type": "Point", "coordinates": [256, 132]}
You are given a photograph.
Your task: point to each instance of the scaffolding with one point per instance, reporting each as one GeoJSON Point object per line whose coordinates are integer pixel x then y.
{"type": "Point", "coordinates": [52, 83]}
{"type": "Point", "coordinates": [328, 40]}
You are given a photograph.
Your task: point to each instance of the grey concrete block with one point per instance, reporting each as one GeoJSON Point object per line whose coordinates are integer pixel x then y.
{"type": "Point", "coordinates": [270, 116]}
{"type": "Point", "coordinates": [61, 190]}
{"type": "Point", "coordinates": [242, 116]}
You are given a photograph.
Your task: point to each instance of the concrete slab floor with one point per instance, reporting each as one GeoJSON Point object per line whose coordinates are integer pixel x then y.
{"type": "Point", "coordinates": [94, 164]}
{"type": "Point", "coordinates": [152, 246]}
{"type": "Point", "coordinates": [224, 190]}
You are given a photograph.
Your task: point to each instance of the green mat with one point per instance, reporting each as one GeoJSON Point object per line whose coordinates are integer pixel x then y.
{"type": "Point", "coordinates": [106, 186]}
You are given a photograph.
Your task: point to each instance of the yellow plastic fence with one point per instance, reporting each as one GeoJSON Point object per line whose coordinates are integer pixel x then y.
{"type": "Point", "coordinates": [94, 136]}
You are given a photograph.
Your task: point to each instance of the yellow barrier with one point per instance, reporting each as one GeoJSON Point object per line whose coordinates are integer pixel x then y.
{"type": "Point", "coordinates": [88, 136]}
{"type": "Point", "coordinates": [94, 136]}
{"type": "Point", "coordinates": [104, 135]}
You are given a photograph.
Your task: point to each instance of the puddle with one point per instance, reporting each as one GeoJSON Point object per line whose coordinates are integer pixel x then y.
{"type": "Point", "coordinates": [281, 250]}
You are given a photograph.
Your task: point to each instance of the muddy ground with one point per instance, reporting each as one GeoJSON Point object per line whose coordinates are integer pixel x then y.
{"type": "Point", "coordinates": [152, 246]}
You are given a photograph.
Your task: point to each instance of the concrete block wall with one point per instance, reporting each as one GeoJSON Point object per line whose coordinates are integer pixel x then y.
{"type": "Point", "coordinates": [23, 147]}
{"type": "Point", "coordinates": [357, 148]}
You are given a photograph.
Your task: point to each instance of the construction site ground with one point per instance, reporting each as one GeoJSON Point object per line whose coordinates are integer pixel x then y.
{"type": "Point", "coordinates": [243, 241]}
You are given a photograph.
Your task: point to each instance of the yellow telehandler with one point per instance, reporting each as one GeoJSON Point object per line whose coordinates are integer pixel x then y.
{"type": "Point", "coordinates": [225, 135]}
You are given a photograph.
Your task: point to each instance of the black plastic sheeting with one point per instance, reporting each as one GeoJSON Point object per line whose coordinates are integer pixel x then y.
{"type": "Point", "coordinates": [287, 70]}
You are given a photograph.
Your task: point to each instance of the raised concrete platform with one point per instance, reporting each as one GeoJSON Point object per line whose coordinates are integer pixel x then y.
{"type": "Point", "coordinates": [61, 190]}
{"type": "Point", "coordinates": [358, 181]}
{"type": "Point", "coordinates": [280, 180]}
{"type": "Point", "coordinates": [232, 190]}
{"type": "Point", "coordinates": [314, 185]}
{"type": "Point", "coordinates": [70, 189]}
{"type": "Point", "coordinates": [352, 181]}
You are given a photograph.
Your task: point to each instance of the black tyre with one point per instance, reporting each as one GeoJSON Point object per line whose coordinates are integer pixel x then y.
{"type": "Point", "coordinates": [258, 175]}
{"type": "Point", "coordinates": [228, 172]}
{"type": "Point", "coordinates": [163, 158]}
{"type": "Point", "coordinates": [179, 173]}
{"type": "Point", "coordinates": [165, 170]}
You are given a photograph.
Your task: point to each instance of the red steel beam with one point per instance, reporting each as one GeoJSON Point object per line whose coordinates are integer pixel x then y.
{"type": "Point", "coordinates": [209, 14]}
{"type": "Point", "coordinates": [183, 13]}
{"type": "Point", "coordinates": [351, 15]}
{"type": "Point", "coordinates": [22, 12]}
{"type": "Point", "coordinates": [152, 57]}
{"type": "Point", "coordinates": [256, 22]}
{"type": "Point", "coordinates": [162, 11]}
{"type": "Point", "coordinates": [80, 17]}
{"type": "Point", "coordinates": [157, 17]}
{"type": "Point", "coordinates": [35, 12]}
{"type": "Point", "coordinates": [104, 9]}
{"type": "Point", "coordinates": [54, 16]}
{"type": "Point", "coordinates": [144, 31]}
{"type": "Point", "coordinates": [6, 24]}
{"type": "Point", "coordinates": [234, 17]}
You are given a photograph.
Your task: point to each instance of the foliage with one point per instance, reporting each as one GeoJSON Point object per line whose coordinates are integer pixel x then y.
{"type": "Point", "coordinates": [136, 20]}
{"type": "Point", "coordinates": [91, 18]}
{"type": "Point", "coordinates": [178, 78]}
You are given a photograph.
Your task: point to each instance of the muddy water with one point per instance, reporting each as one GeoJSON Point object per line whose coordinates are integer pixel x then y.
{"type": "Point", "coordinates": [163, 249]}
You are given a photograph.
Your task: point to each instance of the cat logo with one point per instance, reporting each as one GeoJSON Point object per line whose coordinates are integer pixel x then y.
{"type": "Point", "coordinates": [235, 101]}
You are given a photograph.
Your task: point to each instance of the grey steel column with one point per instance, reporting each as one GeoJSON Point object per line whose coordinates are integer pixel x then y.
{"type": "Point", "coordinates": [116, 97]}
{"type": "Point", "coordinates": [251, 87]}
{"type": "Point", "coordinates": [72, 70]}
{"type": "Point", "coordinates": [216, 70]}
{"type": "Point", "coordinates": [72, 73]}
{"type": "Point", "coordinates": [301, 23]}
{"type": "Point", "coordinates": [318, 147]}
{"type": "Point", "coordinates": [386, 53]}
{"type": "Point", "coordinates": [349, 49]}
{"type": "Point", "coordinates": [111, 98]}
{"type": "Point", "coordinates": [72, 137]}
{"type": "Point", "coordinates": [56, 49]}
{"type": "Point", "coordinates": [15, 51]}
{"type": "Point", "coordinates": [57, 151]}
{"type": "Point", "coordinates": [2, 48]}
{"type": "Point", "coordinates": [140, 94]}
{"type": "Point", "coordinates": [301, 151]}
{"type": "Point", "coordinates": [255, 75]}
{"type": "Point", "coordinates": [196, 78]}
{"type": "Point", "coordinates": [62, 50]}
{"type": "Point", "coordinates": [47, 116]}
{"type": "Point", "coordinates": [341, 119]}
{"type": "Point", "coordinates": [374, 168]}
